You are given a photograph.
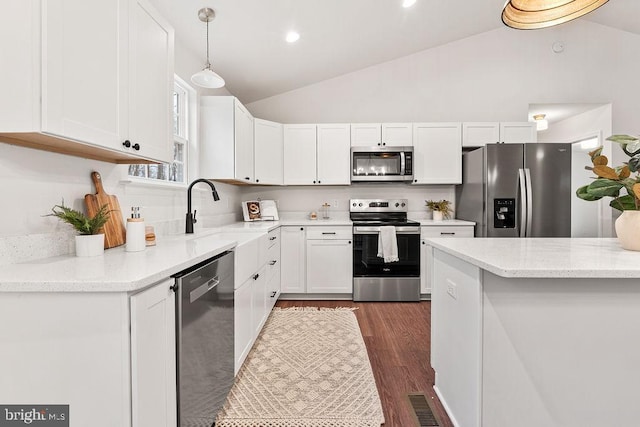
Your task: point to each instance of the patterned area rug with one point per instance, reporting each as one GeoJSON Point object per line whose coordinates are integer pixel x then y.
{"type": "Point", "coordinates": [308, 368]}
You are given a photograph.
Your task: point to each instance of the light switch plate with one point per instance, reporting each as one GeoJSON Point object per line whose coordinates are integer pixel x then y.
{"type": "Point", "coordinates": [452, 289]}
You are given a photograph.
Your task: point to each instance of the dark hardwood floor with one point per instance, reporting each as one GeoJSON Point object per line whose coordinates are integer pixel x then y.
{"type": "Point", "coordinates": [398, 339]}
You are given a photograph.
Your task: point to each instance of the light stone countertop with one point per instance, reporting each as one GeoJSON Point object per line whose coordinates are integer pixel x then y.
{"type": "Point", "coordinates": [446, 223]}
{"type": "Point", "coordinates": [116, 270]}
{"type": "Point", "coordinates": [545, 257]}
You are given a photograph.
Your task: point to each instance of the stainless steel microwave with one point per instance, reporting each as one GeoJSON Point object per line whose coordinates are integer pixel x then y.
{"type": "Point", "coordinates": [374, 164]}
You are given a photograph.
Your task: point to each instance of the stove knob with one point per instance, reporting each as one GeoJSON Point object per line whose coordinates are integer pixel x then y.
{"type": "Point", "coordinates": [354, 204]}
{"type": "Point", "coordinates": [360, 204]}
{"type": "Point", "coordinates": [403, 205]}
{"type": "Point", "coordinates": [397, 204]}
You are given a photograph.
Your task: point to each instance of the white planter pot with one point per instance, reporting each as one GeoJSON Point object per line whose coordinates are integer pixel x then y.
{"type": "Point", "coordinates": [90, 245]}
{"type": "Point", "coordinates": [437, 215]}
{"type": "Point", "coordinates": [628, 230]}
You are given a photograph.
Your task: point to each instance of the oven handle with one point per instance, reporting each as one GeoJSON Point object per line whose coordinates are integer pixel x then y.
{"type": "Point", "coordinates": [376, 230]}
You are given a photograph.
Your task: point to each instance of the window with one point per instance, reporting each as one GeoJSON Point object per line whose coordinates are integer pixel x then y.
{"type": "Point", "coordinates": [176, 171]}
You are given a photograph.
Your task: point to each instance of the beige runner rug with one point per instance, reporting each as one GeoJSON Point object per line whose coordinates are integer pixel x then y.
{"type": "Point", "coordinates": [308, 368]}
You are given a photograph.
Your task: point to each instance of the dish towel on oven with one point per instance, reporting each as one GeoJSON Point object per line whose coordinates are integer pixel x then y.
{"type": "Point", "coordinates": [387, 244]}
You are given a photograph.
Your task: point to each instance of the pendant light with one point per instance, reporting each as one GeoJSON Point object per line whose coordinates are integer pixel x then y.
{"type": "Point", "coordinates": [534, 14]}
{"type": "Point", "coordinates": [207, 78]}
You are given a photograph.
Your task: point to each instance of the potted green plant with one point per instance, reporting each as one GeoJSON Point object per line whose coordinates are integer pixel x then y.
{"type": "Point", "coordinates": [441, 209]}
{"type": "Point", "coordinates": [610, 181]}
{"type": "Point", "coordinates": [89, 242]}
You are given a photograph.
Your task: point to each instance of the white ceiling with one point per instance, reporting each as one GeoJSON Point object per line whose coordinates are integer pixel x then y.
{"type": "Point", "coordinates": [337, 36]}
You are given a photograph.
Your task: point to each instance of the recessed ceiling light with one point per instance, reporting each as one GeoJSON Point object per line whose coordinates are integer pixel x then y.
{"type": "Point", "coordinates": [292, 37]}
{"type": "Point", "coordinates": [408, 3]}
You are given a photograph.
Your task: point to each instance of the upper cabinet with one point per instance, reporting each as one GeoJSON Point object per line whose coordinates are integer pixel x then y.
{"type": "Point", "coordinates": [226, 140]}
{"type": "Point", "coordinates": [317, 154]}
{"type": "Point", "coordinates": [268, 149]}
{"type": "Point", "coordinates": [96, 88]}
{"type": "Point", "coordinates": [381, 134]}
{"type": "Point", "coordinates": [366, 134]}
{"type": "Point", "coordinates": [518, 132]}
{"type": "Point", "coordinates": [397, 134]}
{"type": "Point", "coordinates": [437, 153]}
{"type": "Point", "coordinates": [477, 134]}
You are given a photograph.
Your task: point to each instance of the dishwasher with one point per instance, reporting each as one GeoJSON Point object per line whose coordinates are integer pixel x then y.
{"type": "Point", "coordinates": [204, 339]}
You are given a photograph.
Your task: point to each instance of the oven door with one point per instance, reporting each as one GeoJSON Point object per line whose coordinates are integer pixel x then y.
{"type": "Point", "coordinates": [366, 262]}
{"type": "Point", "coordinates": [376, 280]}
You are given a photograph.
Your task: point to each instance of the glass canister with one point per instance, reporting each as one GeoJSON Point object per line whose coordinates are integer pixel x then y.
{"type": "Point", "coordinates": [326, 211]}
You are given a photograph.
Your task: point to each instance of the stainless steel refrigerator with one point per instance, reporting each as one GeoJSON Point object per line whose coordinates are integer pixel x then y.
{"type": "Point", "coordinates": [517, 190]}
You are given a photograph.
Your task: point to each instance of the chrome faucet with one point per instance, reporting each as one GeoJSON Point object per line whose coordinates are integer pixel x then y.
{"type": "Point", "coordinates": [191, 217]}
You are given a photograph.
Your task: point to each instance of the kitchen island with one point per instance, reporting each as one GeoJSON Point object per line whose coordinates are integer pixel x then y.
{"type": "Point", "coordinates": [536, 332]}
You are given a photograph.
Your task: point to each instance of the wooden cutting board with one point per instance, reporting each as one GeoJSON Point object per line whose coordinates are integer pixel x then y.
{"type": "Point", "coordinates": [115, 234]}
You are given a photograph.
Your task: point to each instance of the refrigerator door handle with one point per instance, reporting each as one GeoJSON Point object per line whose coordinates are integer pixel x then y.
{"type": "Point", "coordinates": [527, 174]}
{"type": "Point", "coordinates": [523, 203]}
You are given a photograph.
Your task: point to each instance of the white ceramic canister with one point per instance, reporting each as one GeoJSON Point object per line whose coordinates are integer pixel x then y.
{"type": "Point", "coordinates": [135, 235]}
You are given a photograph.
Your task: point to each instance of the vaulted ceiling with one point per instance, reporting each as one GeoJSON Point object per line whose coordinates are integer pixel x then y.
{"type": "Point", "coordinates": [248, 47]}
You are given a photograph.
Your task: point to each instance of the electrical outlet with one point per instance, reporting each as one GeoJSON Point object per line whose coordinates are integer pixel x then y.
{"type": "Point", "coordinates": [334, 203]}
{"type": "Point", "coordinates": [452, 289]}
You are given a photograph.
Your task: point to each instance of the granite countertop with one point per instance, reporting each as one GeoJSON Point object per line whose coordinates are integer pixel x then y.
{"type": "Point", "coordinates": [545, 257]}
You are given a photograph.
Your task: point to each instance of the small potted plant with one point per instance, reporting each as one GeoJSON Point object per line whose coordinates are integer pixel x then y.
{"type": "Point", "coordinates": [89, 242]}
{"type": "Point", "coordinates": [610, 181]}
{"type": "Point", "coordinates": [441, 209]}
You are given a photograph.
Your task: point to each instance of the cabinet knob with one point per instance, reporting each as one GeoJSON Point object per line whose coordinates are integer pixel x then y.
{"type": "Point", "coordinates": [384, 143]}
{"type": "Point", "coordinates": [314, 182]}
{"type": "Point", "coordinates": [136, 146]}
{"type": "Point", "coordinates": [318, 182]}
{"type": "Point", "coordinates": [424, 243]}
{"type": "Point", "coordinates": [301, 228]}
{"type": "Point", "coordinates": [174, 287]}
{"type": "Point", "coordinates": [257, 180]}
{"type": "Point", "coordinates": [349, 241]}
{"type": "Point", "coordinates": [127, 143]}
{"type": "Point", "coordinates": [415, 180]}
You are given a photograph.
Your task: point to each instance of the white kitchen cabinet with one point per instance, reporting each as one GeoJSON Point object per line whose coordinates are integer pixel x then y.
{"type": "Point", "coordinates": [273, 268]}
{"type": "Point", "coordinates": [366, 134]}
{"type": "Point", "coordinates": [269, 152]}
{"type": "Point", "coordinates": [317, 154]}
{"type": "Point", "coordinates": [226, 142]}
{"type": "Point", "coordinates": [300, 154]}
{"type": "Point", "coordinates": [259, 294]}
{"type": "Point", "coordinates": [153, 356]}
{"type": "Point", "coordinates": [329, 259]}
{"type": "Point", "coordinates": [397, 134]}
{"type": "Point", "coordinates": [50, 97]}
{"type": "Point", "coordinates": [87, 348]}
{"type": "Point", "coordinates": [333, 154]}
{"type": "Point", "coordinates": [437, 155]}
{"type": "Point", "coordinates": [518, 132]}
{"type": "Point", "coordinates": [478, 134]}
{"type": "Point", "coordinates": [243, 322]}
{"type": "Point", "coordinates": [432, 231]}
{"type": "Point", "coordinates": [292, 257]}
{"type": "Point", "coordinates": [151, 80]}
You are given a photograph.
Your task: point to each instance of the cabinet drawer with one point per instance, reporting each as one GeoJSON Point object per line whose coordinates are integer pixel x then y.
{"type": "Point", "coordinates": [448, 231]}
{"type": "Point", "coordinates": [274, 237]}
{"type": "Point", "coordinates": [329, 233]}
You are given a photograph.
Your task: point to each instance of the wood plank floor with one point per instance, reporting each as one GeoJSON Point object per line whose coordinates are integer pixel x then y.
{"type": "Point", "coordinates": [397, 336]}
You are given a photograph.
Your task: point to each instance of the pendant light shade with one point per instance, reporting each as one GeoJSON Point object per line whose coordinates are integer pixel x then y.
{"type": "Point", "coordinates": [534, 14]}
{"type": "Point", "coordinates": [207, 78]}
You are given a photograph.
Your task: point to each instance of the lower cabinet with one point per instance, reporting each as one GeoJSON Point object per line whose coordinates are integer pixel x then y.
{"type": "Point", "coordinates": [293, 259]}
{"type": "Point", "coordinates": [243, 325]}
{"type": "Point", "coordinates": [89, 350]}
{"type": "Point", "coordinates": [273, 269]}
{"type": "Point", "coordinates": [153, 356]}
{"type": "Point", "coordinates": [329, 260]}
{"type": "Point", "coordinates": [427, 232]}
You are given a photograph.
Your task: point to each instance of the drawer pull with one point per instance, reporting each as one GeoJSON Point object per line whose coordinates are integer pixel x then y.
{"type": "Point", "coordinates": [273, 262]}
{"type": "Point", "coordinates": [272, 238]}
{"type": "Point", "coordinates": [255, 276]}
{"type": "Point", "coordinates": [447, 234]}
{"type": "Point", "coordinates": [333, 233]}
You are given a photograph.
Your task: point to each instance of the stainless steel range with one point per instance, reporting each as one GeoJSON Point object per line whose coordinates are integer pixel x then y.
{"type": "Point", "coordinates": [374, 279]}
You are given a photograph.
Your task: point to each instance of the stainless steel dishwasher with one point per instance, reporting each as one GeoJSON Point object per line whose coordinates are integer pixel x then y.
{"type": "Point", "coordinates": [204, 339]}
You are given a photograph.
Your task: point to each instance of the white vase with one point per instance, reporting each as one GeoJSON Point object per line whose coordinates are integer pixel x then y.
{"type": "Point", "coordinates": [90, 245]}
{"type": "Point", "coordinates": [437, 215]}
{"type": "Point", "coordinates": [628, 230]}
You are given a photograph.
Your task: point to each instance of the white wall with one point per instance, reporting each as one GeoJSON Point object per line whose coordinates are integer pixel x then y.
{"type": "Point", "coordinates": [493, 76]}
{"type": "Point", "coordinates": [304, 199]}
